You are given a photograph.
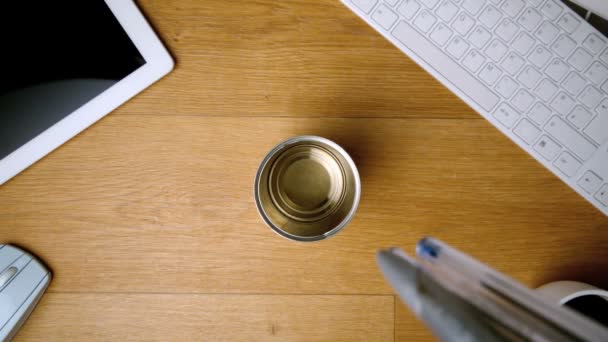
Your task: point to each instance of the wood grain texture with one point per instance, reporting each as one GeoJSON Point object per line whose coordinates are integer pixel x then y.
{"type": "Point", "coordinates": [284, 58]}
{"type": "Point", "coordinates": [408, 327]}
{"type": "Point", "coordinates": [166, 317]}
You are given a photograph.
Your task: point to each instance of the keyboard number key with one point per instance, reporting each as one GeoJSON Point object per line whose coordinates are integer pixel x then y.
{"type": "Point", "coordinates": [506, 115]}
{"type": "Point", "coordinates": [569, 22]}
{"type": "Point", "coordinates": [447, 10]}
{"type": "Point", "coordinates": [590, 182]}
{"type": "Point", "coordinates": [591, 97]}
{"type": "Point", "coordinates": [574, 83]}
{"type": "Point", "coordinates": [539, 113]}
{"type": "Point", "coordinates": [385, 17]}
{"type": "Point", "coordinates": [579, 117]}
{"type": "Point", "coordinates": [522, 100]}
{"type": "Point", "coordinates": [547, 148]}
{"type": "Point", "coordinates": [545, 90]}
{"type": "Point", "coordinates": [564, 46]}
{"type": "Point", "coordinates": [597, 73]}
{"type": "Point", "coordinates": [594, 43]}
{"type": "Point", "coordinates": [530, 19]}
{"type": "Point", "coordinates": [457, 47]}
{"type": "Point", "coordinates": [425, 21]}
{"type": "Point", "coordinates": [506, 30]}
{"type": "Point", "coordinates": [490, 73]}
{"type": "Point", "coordinates": [479, 37]}
{"type": "Point", "coordinates": [523, 43]}
{"type": "Point", "coordinates": [463, 23]}
{"type": "Point", "coordinates": [473, 61]}
{"type": "Point", "coordinates": [409, 8]}
{"type": "Point", "coordinates": [441, 34]}
{"type": "Point", "coordinates": [490, 16]}
{"type": "Point", "coordinates": [567, 164]}
{"type": "Point", "coordinates": [496, 50]}
{"type": "Point", "coordinates": [547, 32]}
{"type": "Point", "coordinates": [365, 5]}
{"type": "Point", "coordinates": [527, 132]}
{"type": "Point", "coordinates": [539, 56]}
{"type": "Point", "coordinates": [557, 69]}
{"type": "Point", "coordinates": [580, 59]}
{"type": "Point", "coordinates": [602, 195]}
{"type": "Point", "coordinates": [551, 9]}
{"type": "Point", "coordinates": [563, 104]}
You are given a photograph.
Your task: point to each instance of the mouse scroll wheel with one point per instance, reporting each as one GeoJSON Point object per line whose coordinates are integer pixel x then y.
{"type": "Point", "coordinates": [7, 275]}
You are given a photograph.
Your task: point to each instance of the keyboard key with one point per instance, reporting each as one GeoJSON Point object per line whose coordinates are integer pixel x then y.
{"type": "Point", "coordinates": [604, 56]}
{"type": "Point", "coordinates": [441, 34]}
{"type": "Point", "coordinates": [539, 113]}
{"type": "Point", "coordinates": [579, 117]}
{"type": "Point", "coordinates": [529, 77]}
{"type": "Point", "coordinates": [424, 21]}
{"type": "Point", "coordinates": [490, 73]}
{"type": "Point", "coordinates": [567, 164]}
{"type": "Point", "coordinates": [530, 19]}
{"type": "Point", "coordinates": [597, 73]}
{"type": "Point", "coordinates": [551, 9]}
{"type": "Point", "coordinates": [506, 86]}
{"type": "Point", "coordinates": [604, 87]}
{"type": "Point", "coordinates": [392, 2]}
{"type": "Point", "coordinates": [563, 104]}
{"type": "Point", "coordinates": [429, 3]}
{"type": "Point", "coordinates": [522, 100]}
{"type": "Point", "coordinates": [506, 115]}
{"type": "Point", "coordinates": [496, 50]}
{"type": "Point", "coordinates": [384, 17]}
{"type": "Point", "coordinates": [512, 63]}
{"type": "Point", "coordinates": [569, 137]}
{"type": "Point", "coordinates": [527, 132]}
{"type": "Point", "coordinates": [507, 30]}
{"type": "Point", "coordinates": [580, 59]}
{"type": "Point", "coordinates": [409, 8]}
{"type": "Point", "coordinates": [547, 148]}
{"type": "Point", "coordinates": [591, 97]}
{"type": "Point", "coordinates": [473, 6]}
{"type": "Point", "coordinates": [539, 56]}
{"type": "Point", "coordinates": [463, 23]}
{"type": "Point", "coordinates": [438, 60]}
{"type": "Point", "coordinates": [365, 5]}
{"type": "Point", "coordinates": [547, 32]}
{"type": "Point", "coordinates": [557, 69]}
{"type": "Point", "coordinates": [546, 90]}
{"type": "Point", "coordinates": [594, 43]}
{"type": "Point", "coordinates": [457, 47]}
{"type": "Point", "coordinates": [596, 130]}
{"type": "Point", "coordinates": [479, 37]}
{"type": "Point", "coordinates": [512, 7]}
{"type": "Point", "coordinates": [568, 22]}
{"type": "Point", "coordinates": [574, 83]}
{"type": "Point", "coordinates": [564, 46]}
{"type": "Point", "coordinates": [602, 195]}
{"type": "Point", "coordinates": [523, 43]}
{"type": "Point", "coordinates": [473, 61]}
{"type": "Point", "coordinates": [590, 182]}
{"type": "Point", "coordinates": [490, 16]}
{"type": "Point", "coordinates": [447, 10]}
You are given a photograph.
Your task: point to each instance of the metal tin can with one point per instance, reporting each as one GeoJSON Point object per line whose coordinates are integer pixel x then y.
{"type": "Point", "coordinates": [307, 188]}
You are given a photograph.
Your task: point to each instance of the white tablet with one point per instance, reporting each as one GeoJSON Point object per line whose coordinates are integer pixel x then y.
{"type": "Point", "coordinates": [65, 65]}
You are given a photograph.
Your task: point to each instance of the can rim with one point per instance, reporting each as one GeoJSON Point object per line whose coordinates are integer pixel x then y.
{"type": "Point", "coordinates": [281, 146]}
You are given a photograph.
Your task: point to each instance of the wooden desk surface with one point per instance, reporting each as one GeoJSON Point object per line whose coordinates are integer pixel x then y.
{"type": "Point", "coordinates": [148, 223]}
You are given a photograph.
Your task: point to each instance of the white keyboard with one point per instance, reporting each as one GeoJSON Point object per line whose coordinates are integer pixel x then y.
{"type": "Point", "coordinates": [533, 68]}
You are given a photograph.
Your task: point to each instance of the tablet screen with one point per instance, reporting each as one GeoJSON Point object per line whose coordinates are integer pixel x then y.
{"type": "Point", "coordinates": [56, 56]}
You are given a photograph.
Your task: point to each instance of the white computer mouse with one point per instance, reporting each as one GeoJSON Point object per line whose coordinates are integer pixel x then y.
{"type": "Point", "coordinates": [23, 280]}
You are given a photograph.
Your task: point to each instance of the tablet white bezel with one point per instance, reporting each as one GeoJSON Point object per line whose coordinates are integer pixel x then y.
{"type": "Point", "coordinates": [158, 64]}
